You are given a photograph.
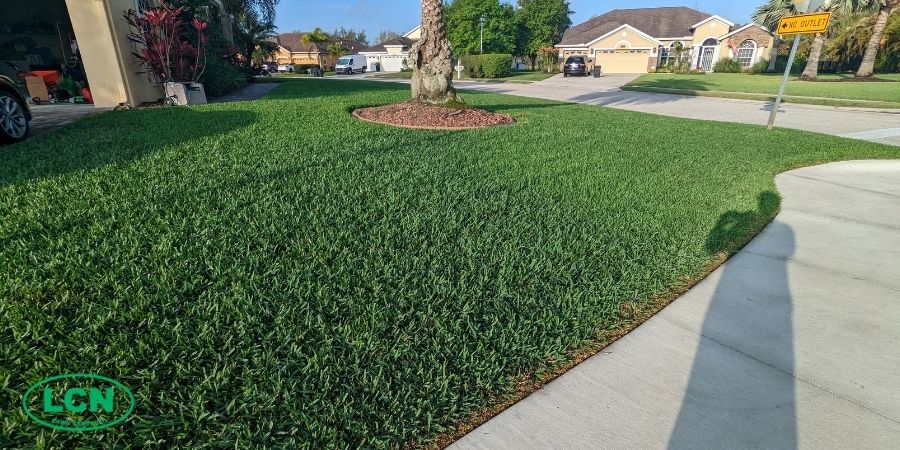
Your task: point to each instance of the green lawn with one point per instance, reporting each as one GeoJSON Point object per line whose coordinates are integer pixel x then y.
{"type": "Point", "coordinates": [522, 76]}
{"type": "Point", "coordinates": [277, 274]}
{"type": "Point", "coordinates": [763, 86]}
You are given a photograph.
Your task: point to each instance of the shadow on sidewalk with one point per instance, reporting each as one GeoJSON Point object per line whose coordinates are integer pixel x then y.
{"type": "Point", "coordinates": [733, 400]}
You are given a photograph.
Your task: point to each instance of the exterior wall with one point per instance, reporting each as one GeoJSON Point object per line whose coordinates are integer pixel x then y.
{"type": "Point", "coordinates": [106, 51]}
{"type": "Point", "coordinates": [396, 50]}
{"type": "Point", "coordinates": [714, 28]}
{"type": "Point", "coordinates": [283, 56]}
{"type": "Point", "coordinates": [764, 42]}
{"type": "Point", "coordinates": [621, 37]}
{"type": "Point", "coordinates": [415, 33]}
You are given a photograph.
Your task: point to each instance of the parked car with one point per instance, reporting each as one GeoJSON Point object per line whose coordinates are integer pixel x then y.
{"type": "Point", "coordinates": [576, 65]}
{"type": "Point", "coordinates": [14, 113]}
{"type": "Point", "coordinates": [351, 64]}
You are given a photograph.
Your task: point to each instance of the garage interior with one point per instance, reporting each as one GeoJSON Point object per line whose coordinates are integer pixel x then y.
{"type": "Point", "coordinates": [38, 50]}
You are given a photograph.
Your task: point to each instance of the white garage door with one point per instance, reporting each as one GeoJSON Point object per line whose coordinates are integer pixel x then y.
{"type": "Point", "coordinates": [623, 61]}
{"type": "Point", "coordinates": [392, 63]}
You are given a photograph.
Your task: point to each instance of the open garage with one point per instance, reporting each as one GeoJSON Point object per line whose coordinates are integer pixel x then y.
{"type": "Point", "coordinates": [65, 52]}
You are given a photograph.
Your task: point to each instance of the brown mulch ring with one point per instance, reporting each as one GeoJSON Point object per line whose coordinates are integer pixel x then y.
{"type": "Point", "coordinates": [422, 115]}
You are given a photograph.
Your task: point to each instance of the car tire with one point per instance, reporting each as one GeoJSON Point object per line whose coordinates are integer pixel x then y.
{"type": "Point", "coordinates": [565, 75]}
{"type": "Point", "coordinates": [13, 119]}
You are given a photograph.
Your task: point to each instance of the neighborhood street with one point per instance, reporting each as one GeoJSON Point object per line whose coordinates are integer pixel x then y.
{"type": "Point", "coordinates": [859, 123]}
{"type": "Point", "coordinates": [784, 346]}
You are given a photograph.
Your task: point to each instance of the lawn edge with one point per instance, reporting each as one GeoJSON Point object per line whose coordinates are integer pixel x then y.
{"type": "Point", "coordinates": [821, 101]}
{"type": "Point", "coordinates": [639, 313]}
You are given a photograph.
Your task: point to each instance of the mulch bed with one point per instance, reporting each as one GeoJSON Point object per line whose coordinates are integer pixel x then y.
{"type": "Point", "coordinates": [422, 115]}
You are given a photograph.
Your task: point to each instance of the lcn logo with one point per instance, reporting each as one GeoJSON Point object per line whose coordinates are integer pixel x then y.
{"type": "Point", "coordinates": [78, 402]}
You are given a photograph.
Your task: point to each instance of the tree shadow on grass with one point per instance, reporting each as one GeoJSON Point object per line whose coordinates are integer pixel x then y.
{"type": "Point", "coordinates": [688, 84]}
{"type": "Point", "coordinates": [741, 392]}
{"type": "Point", "coordinates": [111, 138]}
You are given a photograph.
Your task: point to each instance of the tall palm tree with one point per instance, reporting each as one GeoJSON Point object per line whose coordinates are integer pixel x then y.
{"type": "Point", "coordinates": [885, 8]}
{"type": "Point", "coordinates": [767, 15]}
{"type": "Point", "coordinates": [336, 50]}
{"type": "Point", "coordinates": [316, 37]}
{"type": "Point", "coordinates": [255, 37]}
{"type": "Point", "coordinates": [430, 58]}
{"type": "Point", "coordinates": [771, 12]}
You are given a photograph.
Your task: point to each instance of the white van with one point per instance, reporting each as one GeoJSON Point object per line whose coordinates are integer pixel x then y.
{"type": "Point", "coordinates": [350, 64]}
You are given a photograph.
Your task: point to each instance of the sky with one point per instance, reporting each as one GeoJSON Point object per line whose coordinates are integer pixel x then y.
{"type": "Point", "coordinates": [403, 15]}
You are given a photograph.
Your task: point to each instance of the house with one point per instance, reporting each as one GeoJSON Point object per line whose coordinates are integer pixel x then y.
{"type": "Point", "coordinates": [643, 39]}
{"type": "Point", "coordinates": [86, 39]}
{"type": "Point", "coordinates": [391, 55]}
{"type": "Point", "coordinates": [293, 50]}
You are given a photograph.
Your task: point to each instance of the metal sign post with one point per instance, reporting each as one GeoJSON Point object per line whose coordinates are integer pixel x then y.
{"type": "Point", "coordinates": [796, 26]}
{"type": "Point", "coordinates": [787, 75]}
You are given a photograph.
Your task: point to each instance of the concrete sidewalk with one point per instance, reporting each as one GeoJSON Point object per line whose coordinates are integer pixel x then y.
{"type": "Point", "coordinates": [858, 123]}
{"type": "Point", "coordinates": [793, 343]}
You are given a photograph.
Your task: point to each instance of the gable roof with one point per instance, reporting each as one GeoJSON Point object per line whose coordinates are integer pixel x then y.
{"type": "Point", "coordinates": [657, 22]}
{"type": "Point", "coordinates": [381, 48]}
{"type": "Point", "coordinates": [738, 28]}
{"type": "Point", "coordinates": [293, 42]}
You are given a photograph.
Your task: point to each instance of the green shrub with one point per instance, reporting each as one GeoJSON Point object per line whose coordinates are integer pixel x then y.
{"type": "Point", "coordinates": [304, 68]}
{"type": "Point", "coordinates": [727, 65]}
{"type": "Point", "coordinates": [221, 77]}
{"type": "Point", "coordinates": [761, 66]}
{"type": "Point", "coordinates": [472, 66]}
{"type": "Point", "coordinates": [497, 65]}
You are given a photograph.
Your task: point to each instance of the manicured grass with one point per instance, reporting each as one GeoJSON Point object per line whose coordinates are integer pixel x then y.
{"type": "Point", "coordinates": [277, 274]}
{"type": "Point", "coordinates": [763, 86]}
{"type": "Point", "coordinates": [522, 76]}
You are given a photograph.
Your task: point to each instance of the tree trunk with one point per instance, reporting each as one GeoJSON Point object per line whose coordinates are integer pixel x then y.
{"type": "Point", "coordinates": [773, 55]}
{"type": "Point", "coordinates": [815, 52]}
{"type": "Point", "coordinates": [867, 68]}
{"type": "Point", "coordinates": [430, 58]}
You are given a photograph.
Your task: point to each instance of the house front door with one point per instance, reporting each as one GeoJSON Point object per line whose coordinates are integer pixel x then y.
{"type": "Point", "coordinates": [706, 58]}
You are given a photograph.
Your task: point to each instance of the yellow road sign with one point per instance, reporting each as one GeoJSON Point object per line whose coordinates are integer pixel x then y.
{"type": "Point", "coordinates": [804, 24]}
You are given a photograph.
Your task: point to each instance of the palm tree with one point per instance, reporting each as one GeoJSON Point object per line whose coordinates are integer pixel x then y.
{"type": "Point", "coordinates": [256, 37]}
{"type": "Point", "coordinates": [770, 13]}
{"type": "Point", "coordinates": [316, 37]}
{"type": "Point", "coordinates": [430, 58]}
{"type": "Point", "coordinates": [885, 8]}
{"type": "Point", "coordinates": [336, 50]}
{"type": "Point", "coordinates": [767, 15]}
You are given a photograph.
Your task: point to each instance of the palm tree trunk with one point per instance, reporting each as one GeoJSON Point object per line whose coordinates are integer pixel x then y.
{"type": "Point", "coordinates": [867, 68]}
{"type": "Point", "coordinates": [773, 55]}
{"type": "Point", "coordinates": [430, 58]}
{"type": "Point", "coordinates": [815, 53]}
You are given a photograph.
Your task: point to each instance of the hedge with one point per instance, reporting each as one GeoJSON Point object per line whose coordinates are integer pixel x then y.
{"type": "Point", "coordinates": [493, 65]}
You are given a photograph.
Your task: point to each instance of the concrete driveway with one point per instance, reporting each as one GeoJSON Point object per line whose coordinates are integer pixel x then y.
{"type": "Point", "coordinates": [790, 344]}
{"type": "Point", "coordinates": [858, 123]}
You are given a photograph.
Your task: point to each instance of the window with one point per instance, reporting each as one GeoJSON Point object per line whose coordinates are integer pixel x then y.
{"type": "Point", "coordinates": [667, 55]}
{"type": "Point", "coordinates": [745, 53]}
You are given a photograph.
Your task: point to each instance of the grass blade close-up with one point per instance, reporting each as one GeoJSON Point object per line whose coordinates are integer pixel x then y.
{"type": "Point", "coordinates": [278, 274]}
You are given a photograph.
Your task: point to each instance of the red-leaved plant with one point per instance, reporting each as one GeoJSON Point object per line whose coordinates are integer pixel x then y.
{"type": "Point", "coordinates": [168, 47]}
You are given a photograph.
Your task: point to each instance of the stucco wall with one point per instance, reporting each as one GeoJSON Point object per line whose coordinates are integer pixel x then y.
{"type": "Point", "coordinates": [714, 28]}
{"type": "Point", "coordinates": [106, 51]}
{"type": "Point", "coordinates": [616, 39]}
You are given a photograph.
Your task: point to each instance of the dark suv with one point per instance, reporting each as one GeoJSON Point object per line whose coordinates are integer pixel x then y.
{"type": "Point", "coordinates": [14, 112]}
{"type": "Point", "coordinates": [576, 65]}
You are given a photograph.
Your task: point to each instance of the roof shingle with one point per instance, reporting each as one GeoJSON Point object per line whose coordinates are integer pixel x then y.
{"type": "Point", "coordinates": [656, 22]}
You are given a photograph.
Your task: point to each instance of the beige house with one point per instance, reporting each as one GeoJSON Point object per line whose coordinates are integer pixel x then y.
{"type": "Point", "coordinates": [293, 50]}
{"type": "Point", "coordinates": [642, 40]}
{"type": "Point", "coordinates": [85, 39]}
{"type": "Point", "coordinates": [391, 55]}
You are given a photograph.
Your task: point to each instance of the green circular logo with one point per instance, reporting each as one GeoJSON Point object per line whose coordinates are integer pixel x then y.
{"type": "Point", "coordinates": [78, 402]}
